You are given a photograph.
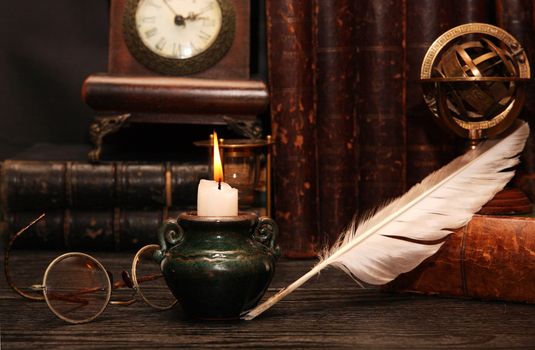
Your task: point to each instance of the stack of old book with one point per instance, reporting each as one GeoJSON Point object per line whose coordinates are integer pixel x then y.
{"type": "Point", "coordinates": [112, 205]}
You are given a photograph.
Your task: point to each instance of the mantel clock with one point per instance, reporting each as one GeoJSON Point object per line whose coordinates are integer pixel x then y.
{"type": "Point", "coordinates": [175, 61]}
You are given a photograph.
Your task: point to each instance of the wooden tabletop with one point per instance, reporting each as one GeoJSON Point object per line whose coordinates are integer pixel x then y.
{"type": "Point", "coordinates": [330, 311]}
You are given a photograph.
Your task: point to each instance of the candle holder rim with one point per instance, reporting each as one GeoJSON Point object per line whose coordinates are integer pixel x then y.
{"type": "Point", "coordinates": [235, 143]}
{"type": "Point", "coordinates": [242, 216]}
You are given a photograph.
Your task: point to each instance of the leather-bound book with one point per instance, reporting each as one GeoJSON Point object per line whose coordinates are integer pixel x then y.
{"type": "Point", "coordinates": [42, 185]}
{"type": "Point", "coordinates": [293, 118]}
{"type": "Point", "coordinates": [106, 230]}
{"type": "Point", "coordinates": [469, 11]}
{"type": "Point", "coordinates": [490, 258]}
{"type": "Point", "coordinates": [428, 146]}
{"type": "Point", "coordinates": [380, 100]}
{"type": "Point", "coordinates": [336, 114]}
{"type": "Point", "coordinates": [517, 17]}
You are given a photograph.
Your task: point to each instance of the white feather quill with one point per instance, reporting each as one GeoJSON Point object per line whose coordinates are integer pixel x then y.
{"type": "Point", "coordinates": [399, 236]}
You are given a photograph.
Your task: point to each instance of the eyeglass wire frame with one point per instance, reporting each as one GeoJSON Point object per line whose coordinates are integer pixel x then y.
{"type": "Point", "coordinates": [132, 282]}
{"type": "Point", "coordinates": [107, 280]}
{"type": "Point", "coordinates": [135, 279]}
{"type": "Point", "coordinates": [7, 251]}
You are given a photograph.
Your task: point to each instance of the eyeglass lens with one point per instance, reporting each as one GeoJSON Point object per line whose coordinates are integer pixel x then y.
{"type": "Point", "coordinates": [149, 280]}
{"type": "Point", "coordinates": [77, 288]}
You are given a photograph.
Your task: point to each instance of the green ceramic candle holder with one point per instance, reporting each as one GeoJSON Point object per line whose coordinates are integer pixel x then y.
{"type": "Point", "coordinates": [218, 267]}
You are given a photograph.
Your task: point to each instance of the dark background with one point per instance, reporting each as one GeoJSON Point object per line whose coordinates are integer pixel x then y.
{"type": "Point", "coordinates": [48, 48]}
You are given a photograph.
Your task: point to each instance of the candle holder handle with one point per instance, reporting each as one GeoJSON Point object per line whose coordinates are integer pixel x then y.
{"type": "Point", "coordinates": [266, 232]}
{"type": "Point", "coordinates": [170, 233]}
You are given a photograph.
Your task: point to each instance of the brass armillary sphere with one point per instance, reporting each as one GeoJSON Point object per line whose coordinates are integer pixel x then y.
{"type": "Point", "coordinates": [474, 78]}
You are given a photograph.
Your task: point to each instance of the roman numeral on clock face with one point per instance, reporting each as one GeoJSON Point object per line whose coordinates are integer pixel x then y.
{"type": "Point", "coordinates": [151, 32]}
{"type": "Point", "coordinates": [151, 19]}
{"type": "Point", "coordinates": [204, 36]}
{"type": "Point", "coordinates": [161, 43]}
{"type": "Point", "coordinates": [177, 50]}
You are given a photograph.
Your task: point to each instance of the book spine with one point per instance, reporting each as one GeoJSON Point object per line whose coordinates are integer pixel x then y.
{"type": "Point", "coordinates": [293, 118]}
{"type": "Point", "coordinates": [107, 230]}
{"type": "Point", "coordinates": [3, 211]}
{"type": "Point", "coordinates": [490, 258]}
{"type": "Point", "coordinates": [336, 114]}
{"type": "Point", "coordinates": [517, 17]}
{"type": "Point", "coordinates": [380, 96]}
{"type": "Point", "coordinates": [3, 202]}
{"type": "Point", "coordinates": [470, 11]}
{"type": "Point", "coordinates": [428, 145]}
{"type": "Point", "coordinates": [43, 185]}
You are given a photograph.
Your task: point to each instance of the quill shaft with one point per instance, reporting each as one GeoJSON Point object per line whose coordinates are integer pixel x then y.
{"type": "Point", "coordinates": [284, 292]}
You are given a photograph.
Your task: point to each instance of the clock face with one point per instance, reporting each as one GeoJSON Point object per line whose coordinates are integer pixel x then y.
{"type": "Point", "coordinates": [177, 28]}
{"type": "Point", "coordinates": [178, 37]}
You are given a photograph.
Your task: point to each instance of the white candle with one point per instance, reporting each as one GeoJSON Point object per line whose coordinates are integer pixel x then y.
{"type": "Point", "coordinates": [216, 198]}
{"type": "Point", "coordinates": [212, 201]}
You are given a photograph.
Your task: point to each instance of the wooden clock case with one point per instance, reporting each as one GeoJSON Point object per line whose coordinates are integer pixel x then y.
{"type": "Point", "coordinates": [131, 93]}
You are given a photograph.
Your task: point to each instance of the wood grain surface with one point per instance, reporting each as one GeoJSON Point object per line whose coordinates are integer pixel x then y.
{"type": "Point", "coordinates": [328, 312]}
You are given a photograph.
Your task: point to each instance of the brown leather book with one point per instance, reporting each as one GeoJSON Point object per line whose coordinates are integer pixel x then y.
{"type": "Point", "coordinates": [43, 185]}
{"type": "Point", "coordinates": [428, 146]}
{"type": "Point", "coordinates": [336, 114]}
{"type": "Point", "coordinates": [112, 229]}
{"type": "Point", "coordinates": [381, 95]}
{"type": "Point", "coordinates": [493, 257]}
{"type": "Point", "coordinates": [293, 118]}
{"type": "Point", "coordinates": [467, 11]}
{"type": "Point", "coordinates": [517, 17]}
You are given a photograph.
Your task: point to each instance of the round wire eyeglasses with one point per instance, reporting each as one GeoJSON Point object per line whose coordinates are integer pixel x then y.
{"type": "Point", "coordinates": [77, 287]}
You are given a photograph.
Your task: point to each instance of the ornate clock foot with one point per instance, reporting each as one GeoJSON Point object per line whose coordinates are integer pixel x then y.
{"type": "Point", "coordinates": [101, 127]}
{"type": "Point", "coordinates": [251, 129]}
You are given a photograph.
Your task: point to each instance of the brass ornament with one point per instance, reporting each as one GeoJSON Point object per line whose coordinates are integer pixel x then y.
{"type": "Point", "coordinates": [177, 66]}
{"type": "Point", "coordinates": [474, 79]}
{"type": "Point", "coordinates": [99, 128]}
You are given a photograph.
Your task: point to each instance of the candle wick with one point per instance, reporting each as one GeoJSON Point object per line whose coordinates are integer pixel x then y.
{"type": "Point", "coordinates": [219, 184]}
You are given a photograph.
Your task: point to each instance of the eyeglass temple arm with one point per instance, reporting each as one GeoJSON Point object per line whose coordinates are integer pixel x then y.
{"type": "Point", "coordinates": [6, 259]}
{"type": "Point", "coordinates": [127, 280]}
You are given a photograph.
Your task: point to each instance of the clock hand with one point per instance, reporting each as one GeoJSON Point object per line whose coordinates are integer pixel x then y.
{"type": "Point", "coordinates": [179, 19]}
{"type": "Point", "coordinates": [169, 7]}
{"type": "Point", "coordinates": [194, 16]}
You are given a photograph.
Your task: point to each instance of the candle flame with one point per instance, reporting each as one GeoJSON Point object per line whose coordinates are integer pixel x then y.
{"type": "Point", "coordinates": [218, 167]}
